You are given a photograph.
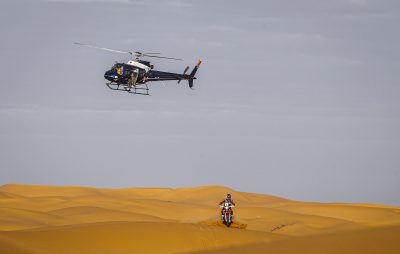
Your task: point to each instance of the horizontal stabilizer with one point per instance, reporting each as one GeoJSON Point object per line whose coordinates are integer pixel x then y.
{"type": "Point", "coordinates": [184, 72]}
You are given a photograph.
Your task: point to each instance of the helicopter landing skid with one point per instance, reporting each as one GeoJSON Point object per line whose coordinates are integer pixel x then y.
{"type": "Point", "coordinates": [132, 90]}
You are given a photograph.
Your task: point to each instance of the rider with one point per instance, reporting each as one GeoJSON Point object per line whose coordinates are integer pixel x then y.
{"type": "Point", "coordinates": [229, 201]}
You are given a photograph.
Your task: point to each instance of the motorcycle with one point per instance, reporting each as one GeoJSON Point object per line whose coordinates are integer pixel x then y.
{"type": "Point", "coordinates": [227, 216]}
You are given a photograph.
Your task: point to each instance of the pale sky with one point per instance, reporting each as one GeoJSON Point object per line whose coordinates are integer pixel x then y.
{"type": "Point", "coordinates": [298, 99]}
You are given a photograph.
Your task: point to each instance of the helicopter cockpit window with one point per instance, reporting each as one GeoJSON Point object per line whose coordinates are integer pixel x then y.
{"type": "Point", "coordinates": [126, 72]}
{"type": "Point", "coordinates": [117, 69]}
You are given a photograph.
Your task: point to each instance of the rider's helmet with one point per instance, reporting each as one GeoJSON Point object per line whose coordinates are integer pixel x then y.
{"type": "Point", "coordinates": [228, 196]}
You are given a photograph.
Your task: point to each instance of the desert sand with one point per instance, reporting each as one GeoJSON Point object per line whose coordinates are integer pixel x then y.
{"type": "Point", "coordinates": [59, 219]}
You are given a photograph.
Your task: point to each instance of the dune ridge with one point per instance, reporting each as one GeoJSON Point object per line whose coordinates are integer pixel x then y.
{"type": "Point", "coordinates": [181, 220]}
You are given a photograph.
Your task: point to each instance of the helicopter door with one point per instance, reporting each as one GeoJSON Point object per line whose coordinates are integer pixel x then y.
{"type": "Point", "coordinates": [133, 78]}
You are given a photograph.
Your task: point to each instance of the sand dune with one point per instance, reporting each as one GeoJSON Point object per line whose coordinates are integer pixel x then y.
{"type": "Point", "coordinates": [14, 219]}
{"type": "Point", "coordinates": [366, 215]}
{"type": "Point", "coordinates": [291, 223]}
{"type": "Point", "coordinates": [88, 214]}
{"type": "Point", "coordinates": [368, 241]}
{"type": "Point", "coordinates": [131, 237]}
{"type": "Point", "coordinates": [52, 219]}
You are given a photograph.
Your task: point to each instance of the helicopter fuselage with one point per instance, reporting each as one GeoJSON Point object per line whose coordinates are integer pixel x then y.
{"type": "Point", "coordinates": [122, 73]}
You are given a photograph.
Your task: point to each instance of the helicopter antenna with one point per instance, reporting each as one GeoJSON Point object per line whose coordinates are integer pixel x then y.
{"type": "Point", "coordinates": [137, 54]}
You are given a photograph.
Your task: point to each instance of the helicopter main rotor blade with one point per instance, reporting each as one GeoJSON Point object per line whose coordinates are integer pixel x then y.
{"type": "Point", "coordinates": [106, 49]}
{"type": "Point", "coordinates": [163, 57]}
{"type": "Point", "coordinates": [137, 54]}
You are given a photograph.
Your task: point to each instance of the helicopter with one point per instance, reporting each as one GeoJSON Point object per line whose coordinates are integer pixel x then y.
{"type": "Point", "coordinates": [132, 76]}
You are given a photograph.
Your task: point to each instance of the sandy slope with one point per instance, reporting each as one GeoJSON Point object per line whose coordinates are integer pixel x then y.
{"type": "Point", "coordinates": [368, 241]}
{"type": "Point", "coordinates": [50, 219]}
{"type": "Point", "coordinates": [130, 237]}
